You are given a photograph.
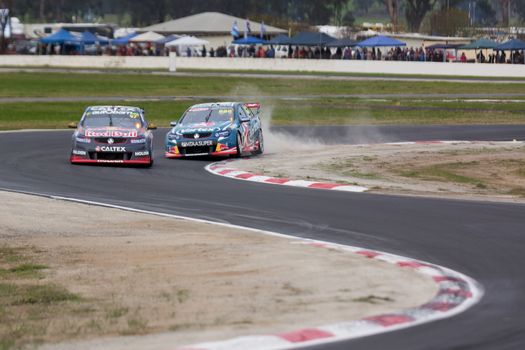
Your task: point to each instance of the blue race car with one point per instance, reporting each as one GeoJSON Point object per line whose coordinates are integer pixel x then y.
{"type": "Point", "coordinates": [216, 129]}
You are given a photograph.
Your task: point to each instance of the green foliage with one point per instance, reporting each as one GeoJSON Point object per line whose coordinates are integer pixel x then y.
{"type": "Point", "coordinates": [415, 12]}
{"type": "Point", "coordinates": [143, 13]}
{"type": "Point", "coordinates": [282, 13]}
{"type": "Point", "coordinates": [447, 172]}
{"type": "Point", "coordinates": [43, 294]}
{"type": "Point", "coordinates": [26, 270]}
{"type": "Point", "coordinates": [486, 14]}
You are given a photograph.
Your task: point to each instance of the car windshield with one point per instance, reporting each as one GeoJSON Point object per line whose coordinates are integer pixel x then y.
{"type": "Point", "coordinates": [120, 119]}
{"type": "Point", "coordinates": [199, 115]}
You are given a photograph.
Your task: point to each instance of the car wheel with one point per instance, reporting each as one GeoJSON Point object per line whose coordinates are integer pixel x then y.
{"type": "Point", "coordinates": [260, 141]}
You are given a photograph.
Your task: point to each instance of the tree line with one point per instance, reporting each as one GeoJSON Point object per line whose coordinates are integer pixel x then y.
{"type": "Point", "coordinates": [140, 13]}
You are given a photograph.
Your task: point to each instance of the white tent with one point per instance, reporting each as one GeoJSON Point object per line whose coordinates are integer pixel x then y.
{"type": "Point", "coordinates": [147, 37]}
{"type": "Point", "coordinates": [187, 41]}
{"type": "Point", "coordinates": [366, 33]}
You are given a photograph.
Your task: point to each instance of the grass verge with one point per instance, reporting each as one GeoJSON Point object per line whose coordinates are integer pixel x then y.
{"type": "Point", "coordinates": [446, 172]}
{"type": "Point", "coordinates": [311, 112]}
{"type": "Point", "coordinates": [108, 84]}
{"type": "Point", "coordinates": [27, 303]}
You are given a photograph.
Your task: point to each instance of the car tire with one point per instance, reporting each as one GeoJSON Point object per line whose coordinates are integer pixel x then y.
{"type": "Point", "coordinates": [260, 141]}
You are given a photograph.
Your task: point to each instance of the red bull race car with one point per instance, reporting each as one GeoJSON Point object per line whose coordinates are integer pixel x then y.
{"type": "Point", "coordinates": [112, 134]}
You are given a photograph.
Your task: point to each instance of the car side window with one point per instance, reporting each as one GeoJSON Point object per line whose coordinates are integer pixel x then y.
{"type": "Point", "coordinates": [242, 114]}
{"type": "Point", "coordinates": [248, 112]}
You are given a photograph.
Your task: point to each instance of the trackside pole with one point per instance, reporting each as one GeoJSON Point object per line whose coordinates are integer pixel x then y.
{"type": "Point", "coordinates": [173, 66]}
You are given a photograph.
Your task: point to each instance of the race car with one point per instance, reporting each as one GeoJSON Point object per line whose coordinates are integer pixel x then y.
{"type": "Point", "coordinates": [112, 134]}
{"type": "Point", "coordinates": [216, 129]}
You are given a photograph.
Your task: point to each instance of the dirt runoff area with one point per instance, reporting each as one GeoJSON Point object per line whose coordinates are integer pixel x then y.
{"type": "Point", "coordinates": [72, 272]}
{"type": "Point", "coordinates": [480, 170]}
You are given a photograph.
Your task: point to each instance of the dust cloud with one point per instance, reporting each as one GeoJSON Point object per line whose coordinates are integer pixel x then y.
{"type": "Point", "coordinates": [275, 141]}
{"type": "Point", "coordinates": [305, 137]}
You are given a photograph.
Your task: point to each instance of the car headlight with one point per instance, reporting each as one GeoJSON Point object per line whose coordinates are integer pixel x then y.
{"type": "Point", "coordinates": [83, 139]}
{"type": "Point", "coordinates": [173, 137]}
{"type": "Point", "coordinates": [224, 133]}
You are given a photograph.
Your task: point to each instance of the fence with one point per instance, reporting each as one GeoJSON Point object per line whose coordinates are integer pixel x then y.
{"type": "Point", "coordinates": [276, 65]}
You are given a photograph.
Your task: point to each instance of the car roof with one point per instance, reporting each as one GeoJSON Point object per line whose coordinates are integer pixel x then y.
{"type": "Point", "coordinates": [215, 104]}
{"type": "Point", "coordinates": [93, 108]}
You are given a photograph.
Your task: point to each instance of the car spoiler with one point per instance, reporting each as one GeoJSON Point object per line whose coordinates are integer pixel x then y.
{"type": "Point", "coordinates": [255, 107]}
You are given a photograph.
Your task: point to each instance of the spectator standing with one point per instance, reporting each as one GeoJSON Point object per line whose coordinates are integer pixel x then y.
{"type": "Point", "coordinates": [203, 51]}
{"type": "Point", "coordinates": [346, 54]}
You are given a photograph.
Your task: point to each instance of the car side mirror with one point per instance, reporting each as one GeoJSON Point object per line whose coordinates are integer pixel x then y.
{"type": "Point", "coordinates": [173, 123]}
{"type": "Point", "coordinates": [152, 127]}
{"type": "Point", "coordinates": [72, 125]}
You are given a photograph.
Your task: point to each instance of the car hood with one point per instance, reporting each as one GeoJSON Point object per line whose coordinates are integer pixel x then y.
{"type": "Point", "coordinates": [111, 132]}
{"type": "Point", "coordinates": [201, 127]}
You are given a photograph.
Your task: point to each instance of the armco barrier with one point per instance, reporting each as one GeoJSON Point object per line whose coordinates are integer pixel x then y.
{"type": "Point", "coordinates": [277, 65]}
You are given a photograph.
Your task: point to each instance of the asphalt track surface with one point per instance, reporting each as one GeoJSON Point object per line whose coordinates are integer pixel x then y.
{"type": "Point", "coordinates": [481, 239]}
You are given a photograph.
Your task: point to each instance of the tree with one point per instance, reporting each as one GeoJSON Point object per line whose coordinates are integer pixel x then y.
{"type": "Point", "coordinates": [415, 12]}
{"type": "Point", "coordinates": [362, 6]}
{"type": "Point", "coordinates": [42, 10]}
{"type": "Point", "coordinates": [392, 7]}
{"type": "Point", "coordinates": [342, 16]}
{"type": "Point", "coordinates": [448, 21]}
{"type": "Point", "coordinates": [143, 13]}
{"type": "Point", "coordinates": [485, 13]}
{"type": "Point", "coordinates": [519, 7]}
{"type": "Point", "coordinates": [504, 7]}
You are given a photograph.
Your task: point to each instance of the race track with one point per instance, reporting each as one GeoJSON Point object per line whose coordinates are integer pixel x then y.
{"type": "Point", "coordinates": [481, 239]}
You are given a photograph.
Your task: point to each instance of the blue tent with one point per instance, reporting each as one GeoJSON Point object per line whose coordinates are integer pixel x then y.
{"type": "Point", "coordinates": [124, 40]}
{"type": "Point", "coordinates": [311, 39]}
{"type": "Point", "coordinates": [514, 44]}
{"type": "Point", "coordinates": [89, 38]}
{"type": "Point", "coordinates": [250, 40]}
{"type": "Point", "coordinates": [280, 39]}
{"type": "Point", "coordinates": [380, 41]}
{"type": "Point", "coordinates": [61, 37]}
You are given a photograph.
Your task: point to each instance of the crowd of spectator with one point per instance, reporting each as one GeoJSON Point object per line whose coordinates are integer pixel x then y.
{"type": "Point", "coordinates": [371, 54]}
{"type": "Point", "coordinates": [420, 54]}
